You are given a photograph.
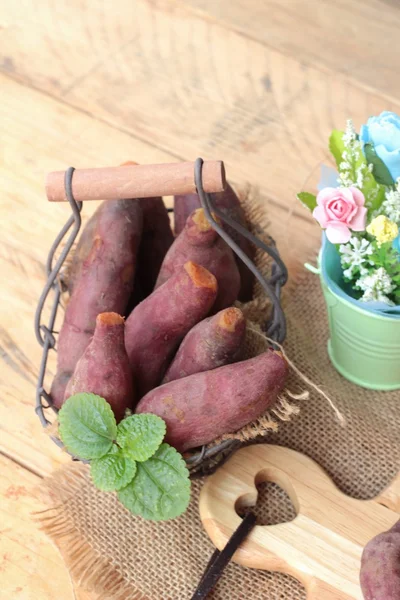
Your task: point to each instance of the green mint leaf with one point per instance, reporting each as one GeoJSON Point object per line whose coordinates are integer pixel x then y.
{"type": "Point", "coordinates": [380, 170]}
{"type": "Point", "coordinates": [87, 425]}
{"type": "Point", "coordinates": [160, 489]}
{"type": "Point", "coordinates": [140, 435]}
{"type": "Point", "coordinates": [336, 146]}
{"type": "Point", "coordinates": [112, 471]}
{"type": "Point", "coordinates": [308, 200]}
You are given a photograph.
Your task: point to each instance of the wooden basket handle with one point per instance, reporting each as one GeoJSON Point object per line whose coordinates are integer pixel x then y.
{"type": "Point", "coordinates": [136, 181]}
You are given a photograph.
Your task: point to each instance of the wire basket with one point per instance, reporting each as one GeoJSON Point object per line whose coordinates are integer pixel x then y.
{"type": "Point", "coordinates": [205, 460]}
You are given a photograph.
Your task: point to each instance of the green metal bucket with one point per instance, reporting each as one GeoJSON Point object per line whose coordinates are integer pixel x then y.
{"type": "Point", "coordinates": [364, 346]}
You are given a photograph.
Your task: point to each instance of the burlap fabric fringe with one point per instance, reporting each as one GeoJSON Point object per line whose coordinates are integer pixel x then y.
{"type": "Point", "coordinates": [126, 558]}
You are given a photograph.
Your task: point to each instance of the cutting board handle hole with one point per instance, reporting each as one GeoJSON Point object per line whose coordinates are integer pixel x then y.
{"type": "Point", "coordinates": [272, 504]}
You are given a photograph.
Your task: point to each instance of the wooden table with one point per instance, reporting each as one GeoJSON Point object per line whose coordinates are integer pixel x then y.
{"type": "Point", "coordinates": [257, 84]}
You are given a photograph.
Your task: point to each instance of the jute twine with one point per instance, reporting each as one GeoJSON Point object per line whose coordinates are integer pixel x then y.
{"type": "Point", "coordinates": [122, 557]}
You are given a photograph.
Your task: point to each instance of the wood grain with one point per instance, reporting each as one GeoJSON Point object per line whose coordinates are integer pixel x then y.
{"type": "Point", "coordinates": [31, 567]}
{"type": "Point", "coordinates": [356, 39]}
{"type": "Point", "coordinates": [192, 86]}
{"type": "Point", "coordinates": [322, 546]}
{"type": "Point", "coordinates": [390, 496]}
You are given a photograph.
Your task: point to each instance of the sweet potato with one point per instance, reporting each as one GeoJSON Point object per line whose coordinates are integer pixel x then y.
{"type": "Point", "coordinates": [157, 325]}
{"type": "Point", "coordinates": [157, 237]}
{"type": "Point", "coordinates": [156, 240]}
{"type": "Point", "coordinates": [184, 205]}
{"type": "Point", "coordinates": [380, 566]}
{"type": "Point", "coordinates": [104, 285]}
{"type": "Point", "coordinates": [214, 342]}
{"type": "Point", "coordinates": [104, 367]}
{"type": "Point", "coordinates": [200, 243]}
{"type": "Point", "coordinates": [229, 203]}
{"type": "Point", "coordinates": [83, 248]}
{"type": "Point", "coordinates": [200, 408]}
{"type": "Point", "coordinates": [85, 242]}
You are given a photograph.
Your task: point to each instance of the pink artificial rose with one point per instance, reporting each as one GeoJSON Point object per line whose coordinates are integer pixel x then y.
{"type": "Point", "coordinates": [338, 211]}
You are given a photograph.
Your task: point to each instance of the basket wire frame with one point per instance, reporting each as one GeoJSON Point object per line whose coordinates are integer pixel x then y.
{"type": "Point", "coordinates": [207, 459]}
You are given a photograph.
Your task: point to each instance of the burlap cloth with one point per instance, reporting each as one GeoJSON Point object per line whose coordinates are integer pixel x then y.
{"type": "Point", "coordinates": [122, 557]}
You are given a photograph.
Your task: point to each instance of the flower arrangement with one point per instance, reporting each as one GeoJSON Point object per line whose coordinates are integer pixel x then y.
{"type": "Point", "coordinates": [360, 209]}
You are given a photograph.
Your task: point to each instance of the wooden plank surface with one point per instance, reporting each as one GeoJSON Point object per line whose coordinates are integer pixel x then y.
{"type": "Point", "coordinates": [191, 85]}
{"type": "Point", "coordinates": [257, 84]}
{"type": "Point", "coordinates": [356, 39]}
{"type": "Point", "coordinates": [31, 567]}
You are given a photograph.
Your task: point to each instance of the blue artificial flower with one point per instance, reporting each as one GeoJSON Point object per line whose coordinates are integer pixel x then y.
{"type": "Point", "coordinates": [396, 244]}
{"type": "Point", "coordinates": [383, 132]}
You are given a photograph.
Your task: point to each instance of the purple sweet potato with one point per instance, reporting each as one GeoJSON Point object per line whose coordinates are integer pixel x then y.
{"type": "Point", "coordinates": [229, 203]}
{"type": "Point", "coordinates": [214, 342]}
{"type": "Point", "coordinates": [157, 325]}
{"type": "Point", "coordinates": [104, 367]}
{"type": "Point", "coordinates": [200, 243]}
{"type": "Point", "coordinates": [83, 248]}
{"type": "Point", "coordinates": [104, 285]}
{"type": "Point", "coordinates": [184, 205]}
{"type": "Point", "coordinates": [380, 566]}
{"type": "Point", "coordinates": [156, 240]}
{"type": "Point", "coordinates": [200, 408]}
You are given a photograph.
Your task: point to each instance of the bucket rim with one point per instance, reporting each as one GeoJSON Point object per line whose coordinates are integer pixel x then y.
{"type": "Point", "coordinates": [351, 302]}
{"type": "Point", "coordinates": [356, 308]}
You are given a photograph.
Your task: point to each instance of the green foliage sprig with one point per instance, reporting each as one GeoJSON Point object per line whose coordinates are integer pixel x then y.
{"type": "Point", "coordinates": [150, 477]}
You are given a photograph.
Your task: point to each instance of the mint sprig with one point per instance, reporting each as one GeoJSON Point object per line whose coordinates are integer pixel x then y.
{"type": "Point", "coordinates": [161, 488]}
{"type": "Point", "coordinates": [151, 478]}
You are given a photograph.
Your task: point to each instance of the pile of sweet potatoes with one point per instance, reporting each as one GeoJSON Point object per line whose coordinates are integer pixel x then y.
{"type": "Point", "coordinates": [150, 324]}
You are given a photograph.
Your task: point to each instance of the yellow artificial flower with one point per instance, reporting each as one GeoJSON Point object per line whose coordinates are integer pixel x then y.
{"type": "Point", "coordinates": [383, 229]}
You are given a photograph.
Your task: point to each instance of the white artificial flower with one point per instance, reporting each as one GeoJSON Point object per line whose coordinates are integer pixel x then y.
{"type": "Point", "coordinates": [349, 175]}
{"type": "Point", "coordinates": [376, 286]}
{"type": "Point", "coordinates": [372, 195]}
{"type": "Point", "coordinates": [360, 177]}
{"type": "Point", "coordinates": [350, 134]}
{"type": "Point", "coordinates": [354, 255]}
{"type": "Point", "coordinates": [391, 205]}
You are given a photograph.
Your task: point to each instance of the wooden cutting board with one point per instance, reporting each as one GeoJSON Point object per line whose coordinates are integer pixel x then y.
{"type": "Point", "coordinates": [322, 546]}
